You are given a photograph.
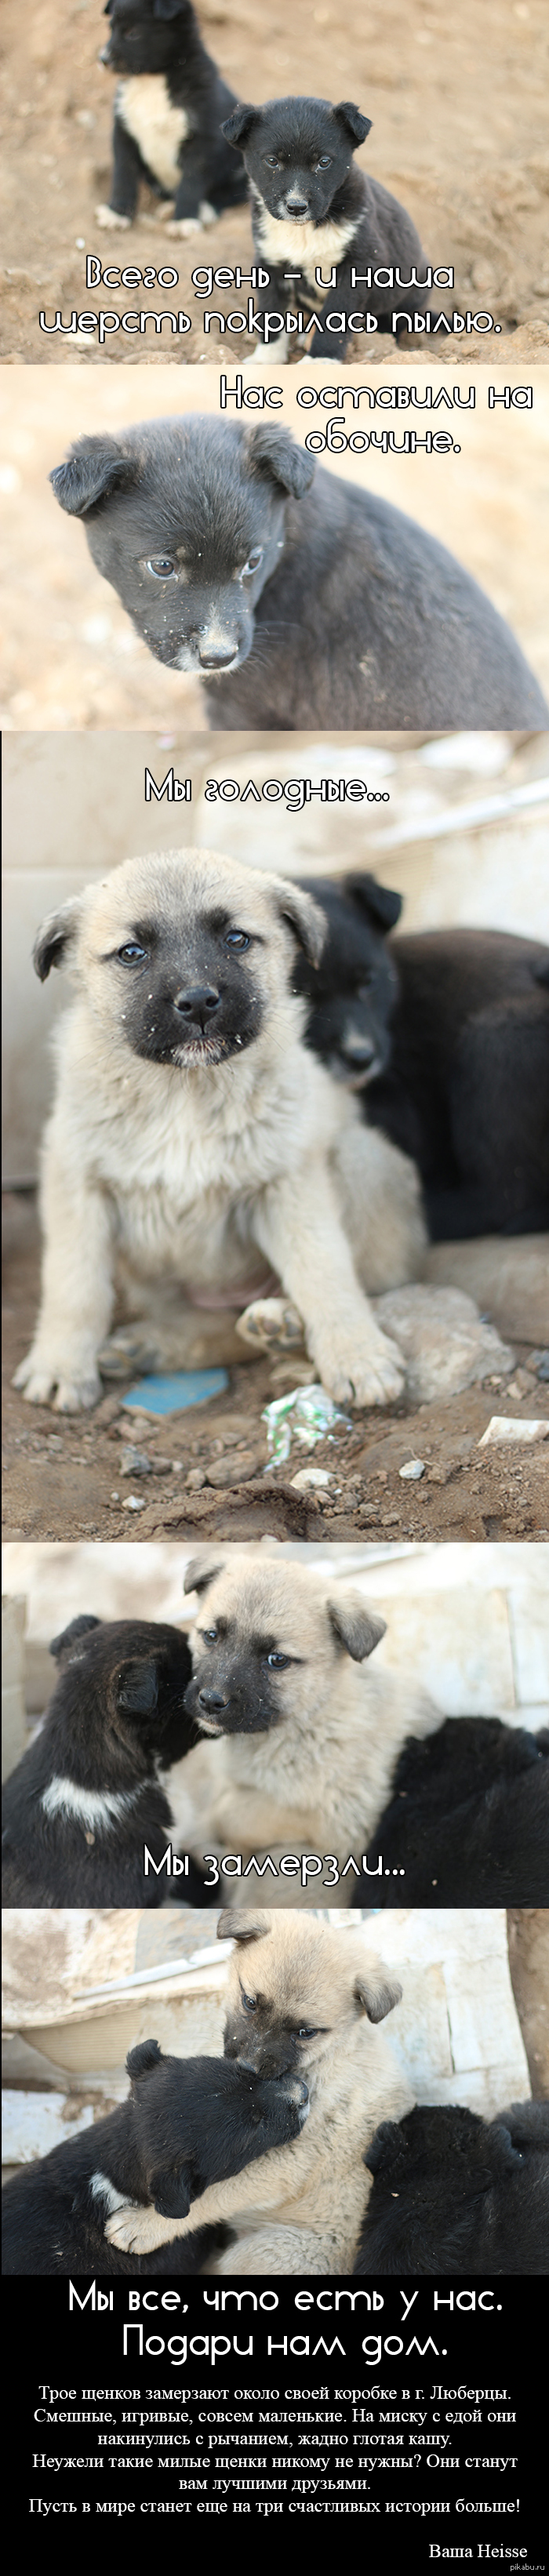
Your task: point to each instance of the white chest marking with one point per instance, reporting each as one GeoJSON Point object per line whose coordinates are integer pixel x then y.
{"type": "Point", "coordinates": [64, 1798]}
{"type": "Point", "coordinates": [102, 2189]}
{"type": "Point", "coordinates": [304, 246]}
{"type": "Point", "coordinates": [159, 129]}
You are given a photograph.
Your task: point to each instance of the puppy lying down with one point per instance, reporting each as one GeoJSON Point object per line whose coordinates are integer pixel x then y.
{"type": "Point", "coordinates": [195, 1140]}
{"type": "Point", "coordinates": [301, 1999]}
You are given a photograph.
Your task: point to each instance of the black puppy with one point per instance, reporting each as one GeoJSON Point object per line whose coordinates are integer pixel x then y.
{"type": "Point", "coordinates": [87, 1795]}
{"type": "Point", "coordinates": [468, 1820]}
{"type": "Point", "coordinates": [451, 2194]}
{"type": "Point", "coordinates": [451, 1030]}
{"type": "Point", "coordinates": [168, 116]}
{"type": "Point", "coordinates": [327, 606]}
{"type": "Point", "coordinates": [353, 992]}
{"type": "Point", "coordinates": [312, 211]}
{"type": "Point", "coordinates": [188, 2122]}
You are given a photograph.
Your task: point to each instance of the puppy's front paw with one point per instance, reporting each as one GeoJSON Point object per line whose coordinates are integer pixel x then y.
{"type": "Point", "coordinates": [363, 1372]}
{"type": "Point", "coordinates": [137, 2230]}
{"type": "Point", "coordinates": [129, 1348]}
{"type": "Point", "coordinates": [181, 227]}
{"type": "Point", "coordinates": [45, 1382]}
{"type": "Point", "coordinates": [272, 1323]}
{"type": "Point", "coordinates": [109, 222]}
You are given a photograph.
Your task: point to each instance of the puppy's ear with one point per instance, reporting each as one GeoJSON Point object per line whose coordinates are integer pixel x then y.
{"type": "Point", "coordinates": [357, 125]}
{"type": "Point", "coordinates": [305, 917]}
{"type": "Point", "coordinates": [200, 1573]}
{"type": "Point", "coordinates": [243, 1927]}
{"type": "Point", "coordinates": [67, 1647]}
{"type": "Point", "coordinates": [358, 1628]}
{"type": "Point", "coordinates": [140, 2061]}
{"type": "Point", "coordinates": [168, 8]}
{"type": "Point", "coordinates": [376, 1991]}
{"type": "Point", "coordinates": [136, 1686]}
{"type": "Point", "coordinates": [383, 2147]}
{"type": "Point", "coordinates": [95, 468]}
{"type": "Point", "coordinates": [238, 125]}
{"type": "Point", "coordinates": [55, 936]}
{"type": "Point", "coordinates": [384, 906]}
{"type": "Point", "coordinates": [275, 453]}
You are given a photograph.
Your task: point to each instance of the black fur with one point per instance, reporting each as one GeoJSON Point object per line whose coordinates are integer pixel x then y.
{"type": "Point", "coordinates": [162, 37]}
{"type": "Point", "coordinates": [117, 1715]}
{"type": "Point", "coordinates": [468, 1819]}
{"type": "Point", "coordinates": [450, 1028]}
{"type": "Point", "coordinates": [188, 2122]}
{"type": "Point", "coordinates": [451, 2194]}
{"type": "Point", "coordinates": [326, 605]}
{"type": "Point", "coordinates": [284, 146]}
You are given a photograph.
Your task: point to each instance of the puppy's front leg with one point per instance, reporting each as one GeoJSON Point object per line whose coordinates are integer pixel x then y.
{"type": "Point", "coordinates": [272, 2178]}
{"type": "Point", "coordinates": [298, 1224]}
{"type": "Point", "coordinates": [77, 1293]}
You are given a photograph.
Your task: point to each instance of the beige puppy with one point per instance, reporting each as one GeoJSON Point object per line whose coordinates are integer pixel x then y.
{"type": "Point", "coordinates": [195, 1140]}
{"type": "Point", "coordinates": [301, 1998]}
{"type": "Point", "coordinates": [304, 1735]}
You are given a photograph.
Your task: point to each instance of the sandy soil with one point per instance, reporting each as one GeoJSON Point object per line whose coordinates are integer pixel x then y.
{"type": "Point", "coordinates": [456, 102]}
{"type": "Point", "coordinates": [62, 1477]}
{"type": "Point", "coordinates": [70, 656]}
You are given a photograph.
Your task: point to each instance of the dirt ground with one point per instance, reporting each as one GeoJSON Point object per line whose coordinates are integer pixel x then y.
{"type": "Point", "coordinates": [70, 657]}
{"type": "Point", "coordinates": [456, 102]}
{"type": "Point", "coordinates": [67, 1479]}
{"type": "Point", "coordinates": [528, 1939]}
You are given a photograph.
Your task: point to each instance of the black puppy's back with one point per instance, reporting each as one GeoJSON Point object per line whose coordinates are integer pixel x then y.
{"type": "Point", "coordinates": [468, 1820]}
{"type": "Point", "coordinates": [467, 1089]}
{"type": "Point", "coordinates": [452, 2194]}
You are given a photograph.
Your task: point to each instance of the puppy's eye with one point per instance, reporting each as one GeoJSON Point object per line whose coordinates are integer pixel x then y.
{"type": "Point", "coordinates": [307, 2034]}
{"type": "Point", "coordinates": [272, 162]}
{"type": "Point", "coordinates": [132, 954]}
{"type": "Point", "coordinates": [255, 558]}
{"type": "Point", "coordinates": [162, 567]}
{"type": "Point", "coordinates": [237, 939]}
{"type": "Point", "coordinates": [278, 1663]}
{"type": "Point", "coordinates": [249, 2001]}
{"type": "Point", "coordinates": [209, 1635]}
{"type": "Point", "coordinates": [324, 161]}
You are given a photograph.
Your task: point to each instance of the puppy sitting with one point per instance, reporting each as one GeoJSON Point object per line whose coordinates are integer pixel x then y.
{"type": "Point", "coordinates": [194, 1138]}
{"type": "Point", "coordinates": [87, 1794]}
{"type": "Point", "coordinates": [299, 607]}
{"type": "Point", "coordinates": [302, 1998]}
{"type": "Point", "coordinates": [168, 117]}
{"type": "Point", "coordinates": [312, 211]}
{"type": "Point", "coordinates": [307, 1734]}
{"type": "Point", "coordinates": [187, 2123]}
{"type": "Point", "coordinates": [452, 2194]}
{"type": "Point", "coordinates": [468, 1819]}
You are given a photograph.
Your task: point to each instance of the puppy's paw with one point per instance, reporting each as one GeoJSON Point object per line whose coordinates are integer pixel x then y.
{"type": "Point", "coordinates": [271, 1323]}
{"type": "Point", "coordinates": [208, 214]}
{"type": "Point", "coordinates": [269, 353]}
{"type": "Point", "coordinates": [128, 1349]}
{"type": "Point", "coordinates": [362, 1372]}
{"type": "Point", "coordinates": [44, 1383]}
{"type": "Point", "coordinates": [109, 222]}
{"type": "Point", "coordinates": [137, 2230]}
{"type": "Point", "coordinates": [180, 227]}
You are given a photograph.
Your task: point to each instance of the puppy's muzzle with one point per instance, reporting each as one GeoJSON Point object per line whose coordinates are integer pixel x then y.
{"type": "Point", "coordinates": [217, 657]}
{"type": "Point", "coordinates": [297, 206]}
{"type": "Point", "coordinates": [213, 1706]}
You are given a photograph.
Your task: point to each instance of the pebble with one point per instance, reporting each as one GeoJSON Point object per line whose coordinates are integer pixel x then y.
{"type": "Point", "coordinates": [507, 1427]}
{"type": "Point", "coordinates": [415, 1467]}
{"type": "Point", "coordinates": [135, 1462]}
{"type": "Point", "coordinates": [134, 1503]}
{"type": "Point", "coordinates": [234, 1470]}
{"type": "Point", "coordinates": [311, 1476]}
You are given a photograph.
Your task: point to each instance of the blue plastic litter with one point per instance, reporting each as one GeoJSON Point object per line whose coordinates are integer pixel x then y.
{"type": "Point", "coordinates": [173, 1394]}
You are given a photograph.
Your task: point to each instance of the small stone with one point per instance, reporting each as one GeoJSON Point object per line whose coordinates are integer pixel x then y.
{"type": "Point", "coordinates": [196, 1477]}
{"type": "Point", "coordinates": [134, 1503]}
{"type": "Point", "coordinates": [508, 1427]}
{"type": "Point", "coordinates": [310, 1476]}
{"type": "Point", "coordinates": [135, 1462]}
{"type": "Point", "coordinates": [235, 1470]}
{"type": "Point", "coordinates": [415, 1467]}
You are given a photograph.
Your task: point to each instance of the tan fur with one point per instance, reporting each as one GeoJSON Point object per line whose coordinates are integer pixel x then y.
{"type": "Point", "coordinates": [318, 1779]}
{"type": "Point", "coordinates": [184, 1174]}
{"type": "Point", "coordinates": [301, 2206]}
{"type": "Point", "coordinates": [157, 127]}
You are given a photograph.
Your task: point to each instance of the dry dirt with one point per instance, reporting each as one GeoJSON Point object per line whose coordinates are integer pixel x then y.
{"type": "Point", "coordinates": [70, 657]}
{"type": "Point", "coordinates": [62, 1476]}
{"type": "Point", "coordinates": [456, 100]}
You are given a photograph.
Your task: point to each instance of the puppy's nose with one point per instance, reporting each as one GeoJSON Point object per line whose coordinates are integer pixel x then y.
{"type": "Point", "coordinates": [105, 55]}
{"type": "Point", "coordinates": [197, 1003]}
{"type": "Point", "coordinates": [297, 205]}
{"type": "Point", "coordinates": [216, 657]}
{"type": "Point", "coordinates": [213, 1701]}
{"type": "Point", "coordinates": [359, 1052]}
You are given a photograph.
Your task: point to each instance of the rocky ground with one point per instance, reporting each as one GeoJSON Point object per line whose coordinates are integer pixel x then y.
{"type": "Point", "coordinates": [201, 1473]}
